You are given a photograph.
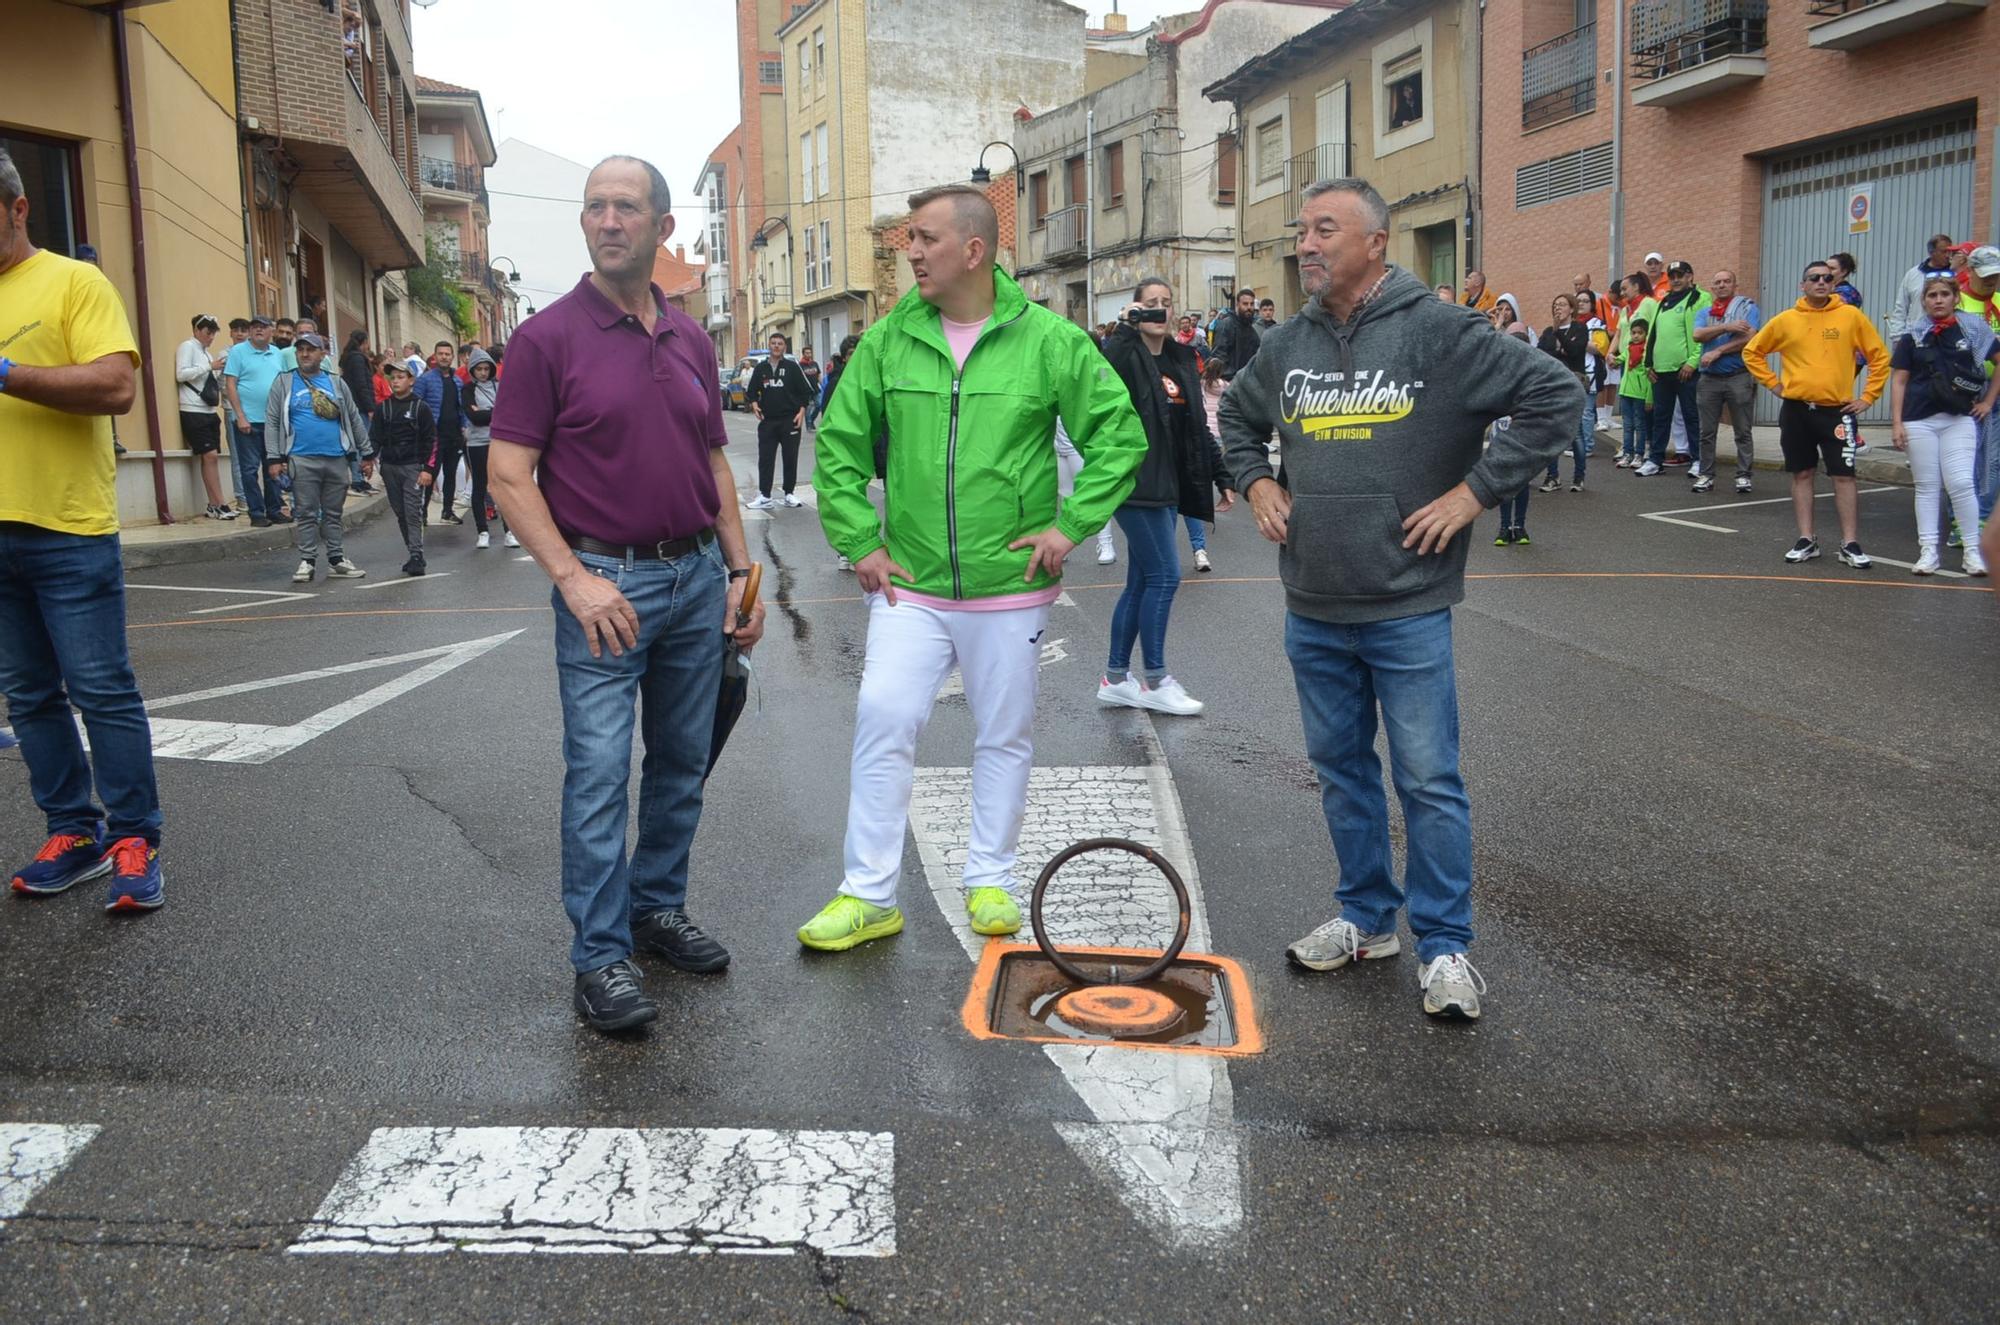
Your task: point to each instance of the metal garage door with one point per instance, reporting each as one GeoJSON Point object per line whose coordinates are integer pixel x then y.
{"type": "Point", "coordinates": [1921, 175]}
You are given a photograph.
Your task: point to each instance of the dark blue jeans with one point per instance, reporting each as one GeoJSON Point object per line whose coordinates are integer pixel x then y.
{"type": "Point", "coordinates": [259, 490]}
{"type": "Point", "coordinates": [1152, 577]}
{"type": "Point", "coordinates": [665, 687]}
{"type": "Point", "coordinates": [1514, 509]}
{"type": "Point", "coordinates": [62, 643]}
{"type": "Point", "coordinates": [1343, 673]}
{"type": "Point", "coordinates": [1668, 392]}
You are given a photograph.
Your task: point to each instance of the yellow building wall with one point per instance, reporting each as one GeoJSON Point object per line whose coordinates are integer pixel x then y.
{"type": "Point", "coordinates": [60, 81]}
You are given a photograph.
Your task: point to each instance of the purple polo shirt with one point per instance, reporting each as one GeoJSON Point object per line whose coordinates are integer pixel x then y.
{"type": "Point", "coordinates": [624, 421]}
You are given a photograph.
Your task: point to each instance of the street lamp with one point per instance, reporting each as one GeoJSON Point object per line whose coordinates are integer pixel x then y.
{"type": "Point", "coordinates": [981, 175]}
{"type": "Point", "coordinates": [514, 272]}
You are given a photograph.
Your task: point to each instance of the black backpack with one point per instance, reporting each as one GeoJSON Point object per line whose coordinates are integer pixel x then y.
{"type": "Point", "coordinates": [1952, 377]}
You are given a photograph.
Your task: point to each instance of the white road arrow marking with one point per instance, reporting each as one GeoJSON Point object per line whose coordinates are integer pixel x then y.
{"type": "Point", "coordinates": [651, 1191]}
{"type": "Point", "coordinates": [270, 597]}
{"type": "Point", "coordinates": [260, 743]}
{"type": "Point", "coordinates": [1724, 504]}
{"type": "Point", "coordinates": [1163, 1136]}
{"type": "Point", "coordinates": [31, 1154]}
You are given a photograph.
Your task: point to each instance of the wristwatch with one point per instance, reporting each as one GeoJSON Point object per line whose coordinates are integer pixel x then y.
{"type": "Point", "coordinates": [740, 573]}
{"type": "Point", "coordinates": [6, 367]}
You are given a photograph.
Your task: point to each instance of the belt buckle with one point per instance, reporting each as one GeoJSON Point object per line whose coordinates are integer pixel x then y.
{"type": "Point", "coordinates": [660, 552]}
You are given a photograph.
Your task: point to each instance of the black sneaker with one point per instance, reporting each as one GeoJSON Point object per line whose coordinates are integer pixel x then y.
{"type": "Point", "coordinates": [611, 999]}
{"type": "Point", "coordinates": [260, 522]}
{"type": "Point", "coordinates": [450, 518]}
{"type": "Point", "coordinates": [671, 935]}
{"type": "Point", "coordinates": [1852, 555]}
{"type": "Point", "coordinates": [1803, 550]}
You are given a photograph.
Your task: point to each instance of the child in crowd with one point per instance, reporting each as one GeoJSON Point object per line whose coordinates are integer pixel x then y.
{"type": "Point", "coordinates": [1635, 398]}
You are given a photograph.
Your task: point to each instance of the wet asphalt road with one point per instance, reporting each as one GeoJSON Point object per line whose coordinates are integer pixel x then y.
{"type": "Point", "coordinates": [1735, 827]}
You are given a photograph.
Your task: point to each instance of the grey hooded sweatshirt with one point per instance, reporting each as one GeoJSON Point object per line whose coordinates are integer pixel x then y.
{"type": "Point", "coordinates": [1377, 420]}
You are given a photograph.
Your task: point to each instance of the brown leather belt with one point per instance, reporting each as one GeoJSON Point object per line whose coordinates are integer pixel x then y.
{"type": "Point", "coordinates": [668, 550]}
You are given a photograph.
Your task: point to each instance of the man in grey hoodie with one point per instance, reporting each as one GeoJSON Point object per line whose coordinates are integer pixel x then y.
{"type": "Point", "coordinates": [1381, 394]}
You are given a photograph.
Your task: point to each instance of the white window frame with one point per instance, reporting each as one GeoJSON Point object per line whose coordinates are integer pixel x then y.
{"type": "Point", "coordinates": [825, 165]}
{"type": "Point", "coordinates": [812, 263]}
{"type": "Point", "coordinates": [1250, 165]}
{"type": "Point", "coordinates": [826, 255]}
{"type": "Point", "coordinates": [819, 61]}
{"type": "Point", "coordinates": [1419, 39]}
{"type": "Point", "coordinates": [805, 69]}
{"type": "Point", "coordinates": [806, 166]}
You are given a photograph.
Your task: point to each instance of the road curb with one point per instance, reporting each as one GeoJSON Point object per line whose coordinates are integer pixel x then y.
{"type": "Point", "coordinates": [230, 542]}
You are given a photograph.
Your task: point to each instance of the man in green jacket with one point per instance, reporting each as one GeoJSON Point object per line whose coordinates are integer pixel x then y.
{"type": "Point", "coordinates": [968, 380]}
{"type": "Point", "coordinates": [1672, 357]}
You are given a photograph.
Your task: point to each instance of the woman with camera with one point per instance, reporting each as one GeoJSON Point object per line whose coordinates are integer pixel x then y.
{"type": "Point", "coordinates": [1182, 462]}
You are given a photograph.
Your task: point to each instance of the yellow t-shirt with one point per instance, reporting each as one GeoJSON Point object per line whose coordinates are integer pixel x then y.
{"type": "Point", "coordinates": [58, 470]}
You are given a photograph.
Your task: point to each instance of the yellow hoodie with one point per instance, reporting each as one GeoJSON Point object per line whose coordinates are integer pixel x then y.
{"type": "Point", "coordinates": [1818, 346]}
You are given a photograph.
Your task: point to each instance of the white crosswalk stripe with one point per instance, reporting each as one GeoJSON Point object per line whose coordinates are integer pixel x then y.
{"type": "Point", "coordinates": [31, 1155]}
{"type": "Point", "coordinates": [648, 1191]}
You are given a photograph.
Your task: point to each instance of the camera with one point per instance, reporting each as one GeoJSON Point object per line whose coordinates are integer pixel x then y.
{"type": "Point", "coordinates": [1139, 315]}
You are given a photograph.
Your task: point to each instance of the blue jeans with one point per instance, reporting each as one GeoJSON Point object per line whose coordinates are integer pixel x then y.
{"type": "Point", "coordinates": [1405, 666]}
{"type": "Point", "coordinates": [1514, 509]}
{"type": "Point", "coordinates": [1197, 534]}
{"type": "Point", "coordinates": [1632, 410]}
{"type": "Point", "coordinates": [1152, 576]}
{"type": "Point", "coordinates": [62, 643]}
{"type": "Point", "coordinates": [1986, 468]}
{"type": "Point", "coordinates": [670, 679]}
{"type": "Point", "coordinates": [1583, 445]}
{"type": "Point", "coordinates": [1667, 392]}
{"type": "Point", "coordinates": [260, 491]}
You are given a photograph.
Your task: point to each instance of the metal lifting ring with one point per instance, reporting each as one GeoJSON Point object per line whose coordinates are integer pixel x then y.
{"type": "Point", "coordinates": [1145, 853]}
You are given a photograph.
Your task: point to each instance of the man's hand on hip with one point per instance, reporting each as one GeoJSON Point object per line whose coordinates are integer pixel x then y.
{"type": "Point", "coordinates": [607, 619]}
{"type": "Point", "coordinates": [1431, 528]}
{"type": "Point", "coordinates": [1272, 506]}
{"type": "Point", "coordinates": [747, 634]}
{"type": "Point", "coordinates": [874, 571]}
{"type": "Point", "coordinates": [1050, 547]}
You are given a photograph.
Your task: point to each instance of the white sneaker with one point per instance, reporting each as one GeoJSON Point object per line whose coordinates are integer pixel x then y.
{"type": "Point", "coordinates": [1927, 561]}
{"type": "Point", "coordinates": [1451, 987]}
{"type": "Point", "coordinates": [760, 503]}
{"type": "Point", "coordinates": [304, 574]}
{"type": "Point", "coordinates": [509, 540]}
{"type": "Point", "coordinates": [1124, 692]}
{"type": "Point", "coordinates": [1107, 552]}
{"type": "Point", "coordinates": [484, 540]}
{"type": "Point", "coordinates": [345, 570]}
{"type": "Point", "coordinates": [1975, 562]}
{"type": "Point", "coordinates": [1647, 470]}
{"type": "Point", "coordinates": [792, 501]}
{"type": "Point", "coordinates": [1201, 562]}
{"type": "Point", "coordinates": [1169, 697]}
{"type": "Point", "coordinates": [1338, 942]}
{"type": "Point", "coordinates": [1743, 485]}
{"type": "Point", "coordinates": [842, 563]}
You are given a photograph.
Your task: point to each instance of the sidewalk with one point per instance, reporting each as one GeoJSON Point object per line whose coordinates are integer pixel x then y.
{"type": "Point", "coordinates": [149, 546]}
{"type": "Point", "coordinates": [1880, 463]}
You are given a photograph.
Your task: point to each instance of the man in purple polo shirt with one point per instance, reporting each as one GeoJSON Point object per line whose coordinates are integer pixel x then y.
{"type": "Point", "coordinates": [612, 395]}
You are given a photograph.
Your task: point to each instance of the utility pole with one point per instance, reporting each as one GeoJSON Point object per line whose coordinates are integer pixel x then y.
{"type": "Point", "coordinates": [1090, 216]}
{"type": "Point", "coordinates": [1617, 267]}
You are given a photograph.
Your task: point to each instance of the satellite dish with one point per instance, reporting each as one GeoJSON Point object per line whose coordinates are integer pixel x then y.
{"type": "Point", "coordinates": [423, 4]}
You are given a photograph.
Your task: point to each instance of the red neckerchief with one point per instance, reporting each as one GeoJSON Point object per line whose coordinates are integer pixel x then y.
{"type": "Point", "coordinates": [1941, 325]}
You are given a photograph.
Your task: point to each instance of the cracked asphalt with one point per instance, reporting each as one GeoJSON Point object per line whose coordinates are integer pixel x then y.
{"type": "Point", "coordinates": [1735, 825]}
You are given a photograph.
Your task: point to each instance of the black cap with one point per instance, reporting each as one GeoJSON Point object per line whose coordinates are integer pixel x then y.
{"type": "Point", "coordinates": [262, 320]}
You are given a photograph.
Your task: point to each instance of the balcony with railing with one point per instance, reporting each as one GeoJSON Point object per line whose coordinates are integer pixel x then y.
{"type": "Point", "coordinates": [1326, 161]}
{"type": "Point", "coordinates": [452, 177]}
{"type": "Point", "coordinates": [1686, 49]}
{"type": "Point", "coordinates": [1062, 233]}
{"type": "Point", "coordinates": [1559, 78]}
{"type": "Point", "coordinates": [1852, 24]}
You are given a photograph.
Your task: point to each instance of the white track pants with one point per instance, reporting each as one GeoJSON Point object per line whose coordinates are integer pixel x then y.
{"type": "Point", "coordinates": [911, 650]}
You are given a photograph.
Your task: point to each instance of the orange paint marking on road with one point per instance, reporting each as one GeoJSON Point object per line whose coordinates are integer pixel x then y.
{"type": "Point", "coordinates": [1243, 1005]}
{"type": "Point", "coordinates": [1117, 1010]}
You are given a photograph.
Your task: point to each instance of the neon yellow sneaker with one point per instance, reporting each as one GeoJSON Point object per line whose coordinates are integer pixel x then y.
{"type": "Point", "coordinates": [993, 911]}
{"type": "Point", "coordinates": [847, 921]}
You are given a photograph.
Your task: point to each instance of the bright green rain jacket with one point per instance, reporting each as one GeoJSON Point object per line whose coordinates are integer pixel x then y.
{"type": "Point", "coordinates": [972, 462]}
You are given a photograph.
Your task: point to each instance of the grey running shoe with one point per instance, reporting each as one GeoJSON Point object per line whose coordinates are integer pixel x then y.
{"type": "Point", "coordinates": [1451, 987]}
{"type": "Point", "coordinates": [1338, 942]}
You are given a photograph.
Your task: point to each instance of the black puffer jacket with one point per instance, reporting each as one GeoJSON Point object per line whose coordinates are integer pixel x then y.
{"type": "Point", "coordinates": [1183, 464]}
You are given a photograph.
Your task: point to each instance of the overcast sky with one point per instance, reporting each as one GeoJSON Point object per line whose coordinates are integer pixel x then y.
{"type": "Point", "coordinates": [586, 78]}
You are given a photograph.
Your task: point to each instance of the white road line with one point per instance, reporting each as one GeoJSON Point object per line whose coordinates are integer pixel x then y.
{"type": "Point", "coordinates": [1910, 566]}
{"type": "Point", "coordinates": [1722, 503]}
{"type": "Point", "coordinates": [260, 743]}
{"type": "Point", "coordinates": [407, 579]}
{"type": "Point", "coordinates": [647, 1191]}
{"type": "Point", "coordinates": [31, 1155]}
{"type": "Point", "coordinates": [1163, 1138]}
{"type": "Point", "coordinates": [1064, 600]}
{"type": "Point", "coordinates": [271, 597]}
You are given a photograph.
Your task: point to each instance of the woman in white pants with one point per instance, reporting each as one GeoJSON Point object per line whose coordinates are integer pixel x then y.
{"type": "Point", "coordinates": [1069, 463]}
{"type": "Point", "coordinates": [1939, 402]}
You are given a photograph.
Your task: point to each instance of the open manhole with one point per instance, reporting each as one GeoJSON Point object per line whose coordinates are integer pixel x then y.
{"type": "Point", "coordinates": [1130, 997]}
